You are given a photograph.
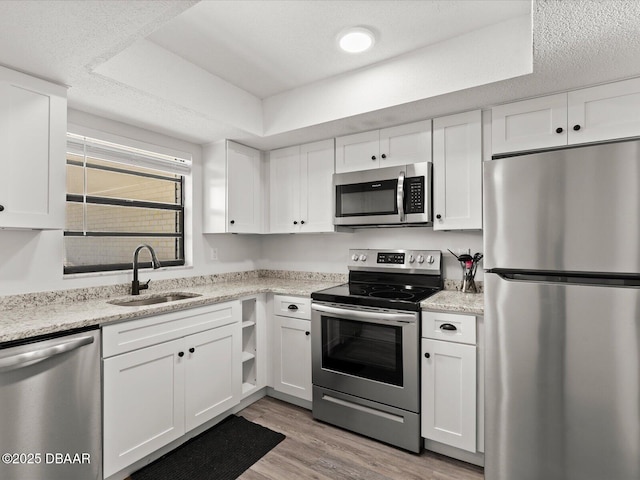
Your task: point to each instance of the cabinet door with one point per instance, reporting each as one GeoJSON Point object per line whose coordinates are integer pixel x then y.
{"type": "Point", "coordinates": [457, 172]}
{"type": "Point", "coordinates": [143, 403]}
{"type": "Point", "coordinates": [449, 393]}
{"type": "Point", "coordinates": [605, 112]}
{"type": "Point", "coordinates": [358, 152]}
{"type": "Point", "coordinates": [32, 140]}
{"type": "Point", "coordinates": [244, 189]}
{"type": "Point", "coordinates": [213, 375]}
{"type": "Point", "coordinates": [284, 167]}
{"type": "Point", "coordinates": [292, 357]}
{"type": "Point", "coordinates": [316, 182]}
{"type": "Point", "coordinates": [405, 144]}
{"type": "Point", "coordinates": [530, 124]}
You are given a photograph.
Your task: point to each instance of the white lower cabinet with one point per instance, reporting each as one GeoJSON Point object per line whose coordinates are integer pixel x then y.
{"type": "Point", "coordinates": [154, 395]}
{"type": "Point", "coordinates": [291, 353]}
{"type": "Point", "coordinates": [451, 406]}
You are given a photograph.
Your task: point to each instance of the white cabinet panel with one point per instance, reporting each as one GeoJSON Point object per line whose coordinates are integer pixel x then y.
{"type": "Point", "coordinates": [213, 378]}
{"type": "Point", "coordinates": [529, 124]}
{"type": "Point", "coordinates": [449, 393]}
{"type": "Point", "coordinates": [33, 122]}
{"type": "Point", "coordinates": [400, 145]}
{"type": "Point", "coordinates": [284, 166]}
{"type": "Point", "coordinates": [604, 112]}
{"type": "Point", "coordinates": [457, 171]}
{"type": "Point", "coordinates": [143, 403]}
{"type": "Point", "coordinates": [292, 357]}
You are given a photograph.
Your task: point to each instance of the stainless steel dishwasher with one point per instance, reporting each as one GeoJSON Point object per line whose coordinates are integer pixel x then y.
{"type": "Point", "coordinates": [50, 408]}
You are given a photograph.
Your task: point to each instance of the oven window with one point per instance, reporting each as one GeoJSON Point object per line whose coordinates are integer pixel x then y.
{"type": "Point", "coordinates": [378, 198]}
{"type": "Point", "coordinates": [363, 349]}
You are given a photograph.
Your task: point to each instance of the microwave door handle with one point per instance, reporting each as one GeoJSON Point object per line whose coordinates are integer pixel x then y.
{"type": "Point", "coordinates": [400, 196]}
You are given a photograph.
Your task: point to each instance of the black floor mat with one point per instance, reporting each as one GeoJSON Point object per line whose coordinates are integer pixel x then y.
{"type": "Point", "coordinates": [221, 453]}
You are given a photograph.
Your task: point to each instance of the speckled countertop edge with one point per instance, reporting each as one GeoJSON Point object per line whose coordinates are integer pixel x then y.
{"type": "Point", "coordinates": [30, 315]}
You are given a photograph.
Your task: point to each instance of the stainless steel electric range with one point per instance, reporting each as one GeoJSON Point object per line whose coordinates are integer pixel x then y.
{"type": "Point", "coordinates": [365, 344]}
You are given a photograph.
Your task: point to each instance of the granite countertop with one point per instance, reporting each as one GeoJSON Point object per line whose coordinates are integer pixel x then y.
{"type": "Point", "coordinates": [31, 315]}
{"type": "Point", "coordinates": [31, 321]}
{"type": "Point", "coordinates": [455, 301]}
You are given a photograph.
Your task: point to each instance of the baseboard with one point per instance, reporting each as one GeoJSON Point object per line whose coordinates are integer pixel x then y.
{"type": "Point", "coordinates": [453, 452]}
{"type": "Point", "coordinates": [285, 397]}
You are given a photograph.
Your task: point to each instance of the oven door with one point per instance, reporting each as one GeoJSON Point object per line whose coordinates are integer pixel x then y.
{"type": "Point", "coordinates": [367, 352]}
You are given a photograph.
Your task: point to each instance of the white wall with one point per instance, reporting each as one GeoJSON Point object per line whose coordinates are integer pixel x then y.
{"type": "Point", "coordinates": [31, 261]}
{"type": "Point", "coordinates": [328, 252]}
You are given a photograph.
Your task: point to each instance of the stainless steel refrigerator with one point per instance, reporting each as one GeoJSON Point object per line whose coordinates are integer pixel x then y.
{"type": "Point", "coordinates": [562, 314]}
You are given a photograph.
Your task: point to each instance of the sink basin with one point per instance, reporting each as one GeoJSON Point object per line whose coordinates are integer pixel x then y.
{"type": "Point", "coordinates": [152, 299]}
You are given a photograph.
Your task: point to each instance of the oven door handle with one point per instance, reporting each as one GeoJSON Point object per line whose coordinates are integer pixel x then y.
{"type": "Point", "coordinates": [400, 196]}
{"type": "Point", "coordinates": [371, 317]}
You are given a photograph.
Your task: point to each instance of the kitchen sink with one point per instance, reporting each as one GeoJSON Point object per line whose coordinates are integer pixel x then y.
{"type": "Point", "coordinates": [152, 299]}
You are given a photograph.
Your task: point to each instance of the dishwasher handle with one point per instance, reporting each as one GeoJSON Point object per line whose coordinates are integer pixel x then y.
{"type": "Point", "coordinates": [29, 358]}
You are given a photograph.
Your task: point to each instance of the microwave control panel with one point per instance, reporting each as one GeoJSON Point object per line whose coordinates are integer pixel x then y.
{"type": "Point", "coordinates": [414, 196]}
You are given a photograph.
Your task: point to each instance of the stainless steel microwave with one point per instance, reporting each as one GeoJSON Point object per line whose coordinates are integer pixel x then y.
{"type": "Point", "coordinates": [391, 196]}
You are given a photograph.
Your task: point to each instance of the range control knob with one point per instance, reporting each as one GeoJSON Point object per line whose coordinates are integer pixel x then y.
{"type": "Point", "coordinates": [430, 259]}
{"type": "Point", "coordinates": [411, 259]}
{"type": "Point", "coordinates": [355, 257]}
{"type": "Point", "coordinates": [420, 259]}
{"type": "Point", "coordinates": [363, 258]}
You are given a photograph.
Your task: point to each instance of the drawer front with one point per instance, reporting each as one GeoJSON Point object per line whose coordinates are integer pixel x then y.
{"type": "Point", "coordinates": [127, 336]}
{"type": "Point", "coordinates": [449, 327]}
{"type": "Point", "coordinates": [297, 307]}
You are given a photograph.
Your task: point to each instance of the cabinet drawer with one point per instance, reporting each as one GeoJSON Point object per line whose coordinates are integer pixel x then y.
{"type": "Point", "coordinates": [297, 307]}
{"type": "Point", "coordinates": [127, 336]}
{"type": "Point", "coordinates": [439, 325]}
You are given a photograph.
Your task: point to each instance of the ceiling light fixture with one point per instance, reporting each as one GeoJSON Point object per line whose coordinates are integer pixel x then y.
{"type": "Point", "coordinates": [356, 40]}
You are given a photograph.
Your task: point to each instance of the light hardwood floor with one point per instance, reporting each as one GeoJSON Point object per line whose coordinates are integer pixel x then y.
{"type": "Point", "coordinates": [315, 450]}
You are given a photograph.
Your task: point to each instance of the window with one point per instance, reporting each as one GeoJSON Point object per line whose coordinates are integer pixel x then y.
{"type": "Point", "coordinates": [118, 198]}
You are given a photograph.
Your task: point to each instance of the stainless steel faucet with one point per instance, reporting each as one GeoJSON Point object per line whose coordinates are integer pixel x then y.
{"type": "Point", "coordinates": [155, 263]}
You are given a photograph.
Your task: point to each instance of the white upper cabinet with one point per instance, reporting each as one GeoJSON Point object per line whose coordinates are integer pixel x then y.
{"type": "Point", "coordinates": [530, 124]}
{"type": "Point", "coordinates": [604, 112]}
{"type": "Point", "coordinates": [301, 189]}
{"type": "Point", "coordinates": [33, 126]}
{"type": "Point", "coordinates": [457, 172]}
{"type": "Point", "coordinates": [389, 147]}
{"type": "Point", "coordinates": [234, 192]}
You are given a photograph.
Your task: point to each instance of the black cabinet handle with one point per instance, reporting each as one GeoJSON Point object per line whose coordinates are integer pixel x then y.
{"type": "Point", "coordinates": [301, 222]}
{"type": "Point", "coordinates": [292, 307]}
{"type": "Point", "coordinates": [1, 208]}
{"type": "Point", "coordinates": [384, 155]}
{"type": "Point", "coordinates": [448, 326]}
{"type": "Point", "coordinates": [576, 127]}
{"type": "Point", "coordinates": [307, 333]}
{"type": "Point", "coordinates": [232, 222]}
{"type": "Point", "coordinates": [427, 355]}
{"type": "Point", "coordinates": [181, 354]}
{"type": "Point", "coordinates": [559, 130]}
{"type": "Point", "coordinates": [295, 222]}
{"type": "Point", "coordinates": [191, 350]}
{"type": "Point", "coordinates": [438, 216]}
{"type": "Point", "coordinates": [373, 157]}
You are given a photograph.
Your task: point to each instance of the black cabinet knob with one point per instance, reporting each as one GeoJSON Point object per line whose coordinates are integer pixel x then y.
{"type": "Point", "coordinates": [448, 326]}
{"type": "Point", "coordinates": [232, 222]}
{"type": "Point", "coordinates": [307, 333]}
{"type": "Point", "coordinates": [576, 127]}
{"type": "Point", "coordinates": [427, 355]}
{"type": "Point", "coordinates": [438, 216]}
{"type": "Point", "coordinates": [295, 222]}
{"type": "Point", "coordinates": [292, 307]}
{"type": "Point", "coordinates": [191, 350]}
{"type": "Point", "coordinates": [1, 208]}
{"type": "Point", "coordinates": [301, 222]}
{"type": "Point", "coordinates": [384, 155]}
{"type": "Point", "coordinates": [559, 130]}
{"type": "Point", "coordinates": [373, 157]}
{"type": "Point", "coordinates": [181, 354]}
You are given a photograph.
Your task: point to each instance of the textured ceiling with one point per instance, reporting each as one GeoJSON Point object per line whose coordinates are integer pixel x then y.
{"type": "Point", "coordinates": [575, 43]}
